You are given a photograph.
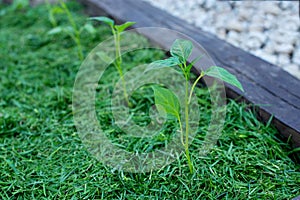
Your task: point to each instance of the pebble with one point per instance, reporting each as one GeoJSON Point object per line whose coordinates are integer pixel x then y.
{"type": "Point", "coordinates": [284, 37]}
{"type": "Point", "coordinates": [253, 43]}
{"type": "Point", "coordinates": [284, 5]}
{"type": "Point", "coordinates": [276, 37]}
{"type": "Point", "coordinates": [235, 25]}
{"type": "Point", "coordinates": [283, 60]}
{"type": "Point", "coordinates": [255, 27]}
{"type": "Point", "coordinates": [233, 35]}
{"type": "Point", "coordinates": [209, 4]}
{"type": "Point", "coordinates": [271, 8]}
{"type": "Point", "coordinates": [268, 29]}
{"type": "Point", "coordinates": [245, 14]}
{"type": "Point", "coordinates": [258, 35]}
{"type": "Point", "coordinates": [289, 25]}
{"type": "Point", "coordinates": [268, 57]}
{"type": "Point", "coordinates": [296, 56]}
{"type": "Point", "coordinates": [284, 48]}
{"type": "Point", "coordinates": [221, 33]}
{"type": "Point", "coordinates": [269, 25]}
{"type": "Point", "coordinates": [269, 47]}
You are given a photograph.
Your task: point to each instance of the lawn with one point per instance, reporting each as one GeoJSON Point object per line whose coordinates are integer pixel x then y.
{"type": "Point", "coordinates": [42, 156]}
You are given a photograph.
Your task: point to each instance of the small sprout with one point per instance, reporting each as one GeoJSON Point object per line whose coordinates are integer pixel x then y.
{"type": "Point", "coordinates": [73, 31]}
{"type": "Point", "coordinates": [116, 31]}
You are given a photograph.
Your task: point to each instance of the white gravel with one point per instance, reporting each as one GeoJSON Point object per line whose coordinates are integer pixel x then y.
{"type": "Point", "coordinates": [267, 29]}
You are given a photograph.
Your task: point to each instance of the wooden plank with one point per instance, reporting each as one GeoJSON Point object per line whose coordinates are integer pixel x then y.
{"type": "Point", "coordinates": [275, 91]}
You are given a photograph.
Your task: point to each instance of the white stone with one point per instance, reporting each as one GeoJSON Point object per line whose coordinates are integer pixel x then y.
{"type": "Point", "coordinates": [253, 43]}
{"type": "Point", "coordinates": [260, 36]}
{"type": "Point", "coordinates": [297, 43]}
{"type": "Point", "coordinates": [269, 24]}
{"type": "Point", "coordinates": [296, 56]}
{"type": "Point", "coordinates": [275, 37]}
{"type": "Point", "coordinates": [255, 40]}
{"type": "Point", "coordinates": [270, 58]}
{"type": "Point", "coordinates": [245, 14]}
{"type": "Point", "coordinates": [255, 27]}
{"type": "Point", "coordinates": [199, 22]}
{"type": "Point", "coordinates": [290, 25]}
{"type": "Point", "coordinates": [233, 35]}
{"type": "Point", "coordinates": [285, 5]}
{"type": "Point", "coordinates": [221, 33]}
{"type": "Point", "coordinates": [222, 6]}
{"type": "Point", "coordinates": [284, 48]}
{"type": "Point", "coordinates": [284, 37]}
{"type": "Point", "coordinates": [235, 25]}
{"type": "Point", "coordinates": [209, 4]}
{"type": "Point", "coordinates": [200, 2]}
{"type": "Point", "coordinates": [233, 42]}
{"type": "Point", "coordinates": [292, 37]}
{"type": "Point", "coordinates": [258, 52]}
{"type": "Point", "coordinates": [258, 18]}
{"type": "Point", "coordinates": [269, 47]}
{"type": "Point", "coordinates": [269, 17]}
{"type": "Point", "coordinates": [283, 59]}
{"type": "Point", "coordinates": [271, 8]}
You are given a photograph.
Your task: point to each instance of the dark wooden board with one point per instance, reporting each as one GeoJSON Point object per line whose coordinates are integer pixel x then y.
{"type": "Point", "coordinates": [275, 91]}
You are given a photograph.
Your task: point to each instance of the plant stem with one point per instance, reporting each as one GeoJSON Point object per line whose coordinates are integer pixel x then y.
{"type": "Point", "coordinates": [194, 85]}
{"type": "Point", "coordinates": [70, 18]}
{"type": "Point", "coordinates": [73, 24]}
{"type": "Point", "coordinates": [181, 130]}
{"type": "Point", "coordinates": [79, 46]}
{"type": "Point", "coordinates": [187, 153]}
{"type": "Point", "coordinates": [51, 16]}
{"type": "Point", "coordinates": [118, 63]}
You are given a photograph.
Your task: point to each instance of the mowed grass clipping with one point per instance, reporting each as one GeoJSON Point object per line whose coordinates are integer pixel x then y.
{"type": "Point", "coordinates": [42, 157]}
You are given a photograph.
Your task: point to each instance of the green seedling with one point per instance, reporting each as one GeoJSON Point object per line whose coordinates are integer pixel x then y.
{"type": "Point", "coordinates": [20, 4]}
{"type": "Point", "coordinates": [73, 31]}
{"type": "Point", "coordinates": [16, 5]}
{"type": "Point", "coordinates": [51, 13]}
{"type": "Point", "coordinates": [116, 31]}
{"type": "Point", "coordinates": [167, 102]}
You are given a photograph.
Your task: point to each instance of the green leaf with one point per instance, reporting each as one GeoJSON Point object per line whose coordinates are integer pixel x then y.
{"type": "Point", "coordinates": [105, 20]}
{"type": "Point", "coordinates": [189, 67]}
{"type": "Point", "coordinates": [166, 101]}
{"type": "Point", "coordinates": [169, 62]}
{"type": "Point", "coordinates": [122, 27]}
{"type": "Point", "coordinates": [182, 49]}
{"type": "Point", "coordinates": [89, 28]}
{"type": "Point", "coordinates": [20, 4]}
{"type": "Point", "coordinates": [57, 10]}
{"type": "Point", "coordinates": [55, 30]}
{"type": "Point", "coordinates": [69, 30]}
{"type": "Point", "coordinates": [224, 75]}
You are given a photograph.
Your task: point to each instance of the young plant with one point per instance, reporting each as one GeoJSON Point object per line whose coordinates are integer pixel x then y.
{"type": "Point", "coordinates": [73, 31]}
{"type": "Point", "coordinates": [51, 12]}
{"type": "Point", "coordinates": [116, 31]}
{"type": "Point", "coordinates": [19, 4]}
{"type": "Point", "coordinates": [165, 100]}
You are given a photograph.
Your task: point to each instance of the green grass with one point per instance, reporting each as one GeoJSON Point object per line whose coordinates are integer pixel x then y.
{"type": "Point", "coordinates": [42, 157]}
